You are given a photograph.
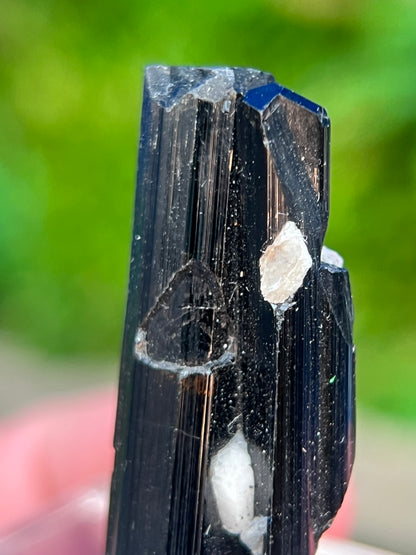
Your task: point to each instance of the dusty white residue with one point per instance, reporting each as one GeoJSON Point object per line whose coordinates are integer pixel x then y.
{"type": "Point", "coordinates": [284, 264]}
{"type": "Point", "coordinates": [232, 479]}
{"type": "Point", "coordinates": [328, 256]}
{"type": "Point", "coordinates": [217, 87]}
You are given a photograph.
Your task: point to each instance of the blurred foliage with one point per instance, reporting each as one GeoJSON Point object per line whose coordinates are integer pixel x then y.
{"type": "Point", "coordinates": [70, 85]}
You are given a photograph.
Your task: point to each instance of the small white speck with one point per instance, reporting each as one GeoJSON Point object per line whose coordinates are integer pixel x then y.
{"type": "Point", "coordinates": [226, 106]}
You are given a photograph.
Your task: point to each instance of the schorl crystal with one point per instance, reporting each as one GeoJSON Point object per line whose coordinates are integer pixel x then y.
{"type": "Point", "coordinates": [235, 425]}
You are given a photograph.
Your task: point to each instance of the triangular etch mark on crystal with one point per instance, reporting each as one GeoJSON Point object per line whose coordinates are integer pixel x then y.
{"type": "Point", "coordinates": [188, 324]}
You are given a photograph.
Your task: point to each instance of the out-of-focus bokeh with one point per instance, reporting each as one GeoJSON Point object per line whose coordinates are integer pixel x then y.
{"type": "Point", "coordinates": [70, 91]}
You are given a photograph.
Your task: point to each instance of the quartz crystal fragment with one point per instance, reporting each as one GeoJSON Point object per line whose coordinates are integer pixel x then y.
{"type": "Point", "coordinates": [235, 424]}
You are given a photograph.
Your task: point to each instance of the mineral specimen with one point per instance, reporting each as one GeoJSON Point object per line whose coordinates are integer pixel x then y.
{"type": "Point", "coordinates": [235, 424]}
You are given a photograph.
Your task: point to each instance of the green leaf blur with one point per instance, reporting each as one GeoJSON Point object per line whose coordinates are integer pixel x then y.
{"type": "Point", "coordinates": [70, 91]}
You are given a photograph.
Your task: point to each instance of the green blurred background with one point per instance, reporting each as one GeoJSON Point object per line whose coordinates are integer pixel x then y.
{"type": "Point", "coordinates": [70, 90]}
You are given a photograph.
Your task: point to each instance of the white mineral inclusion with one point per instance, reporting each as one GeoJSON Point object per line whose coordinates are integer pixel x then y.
{"type": "Point", "coordinates": [232, 480]}
{"type": "Point", "coordinates": [284, 264]}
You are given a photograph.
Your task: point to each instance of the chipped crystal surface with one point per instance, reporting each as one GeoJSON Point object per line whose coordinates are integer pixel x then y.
{"type": "Point", "coordinates": [329, 256]}
{"type": "Point", "coordinates": [235, 424]}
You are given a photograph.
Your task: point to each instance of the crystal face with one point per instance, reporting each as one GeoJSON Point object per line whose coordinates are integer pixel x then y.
{"type": "Point", "coordinates": [235, 425]}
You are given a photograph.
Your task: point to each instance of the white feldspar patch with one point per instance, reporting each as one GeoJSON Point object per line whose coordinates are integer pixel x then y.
{"type": "Point", "coordinates": [331, 257]}
{"type": "Point", "coordinates": [232, 480]}
{"type": "Point", "coordinates": [284, 264]}
{"type": "Point", "coordinates": [253, 536]}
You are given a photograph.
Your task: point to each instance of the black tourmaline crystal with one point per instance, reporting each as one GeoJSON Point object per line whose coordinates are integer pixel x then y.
{"type": "Point", "coordinates": [235, 424]}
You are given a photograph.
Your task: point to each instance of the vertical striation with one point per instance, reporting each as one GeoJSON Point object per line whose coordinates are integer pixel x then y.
{"type": "Point", "coordinates": [235, 423]}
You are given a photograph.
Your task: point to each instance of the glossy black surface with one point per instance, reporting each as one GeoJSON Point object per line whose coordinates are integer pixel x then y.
{"type": "Point", "coordinates": [227, 157]}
